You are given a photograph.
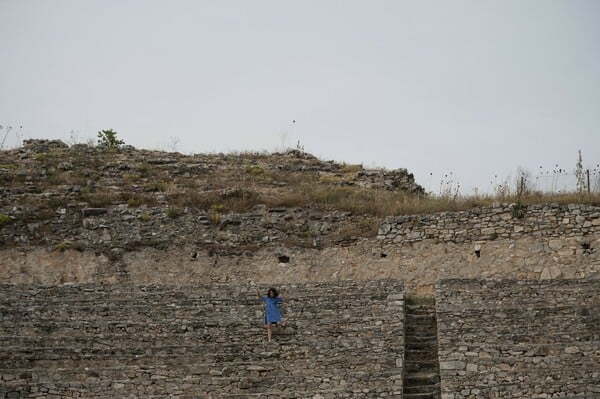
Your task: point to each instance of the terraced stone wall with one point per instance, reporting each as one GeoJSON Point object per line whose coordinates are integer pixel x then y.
{"type": "Point", "coordinates": [502, 221]}
{"type": "Point", "coordinates": [519, 339]}
{"type": "Point", "coordinates": [341, 339]}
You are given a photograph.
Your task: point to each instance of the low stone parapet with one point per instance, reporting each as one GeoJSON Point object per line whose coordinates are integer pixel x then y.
{"type": "Point", "coordinates": [503, 221]}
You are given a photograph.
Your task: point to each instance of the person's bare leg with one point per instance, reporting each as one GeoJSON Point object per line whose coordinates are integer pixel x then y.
{"type": "Point", "coordinates": [269, 331]}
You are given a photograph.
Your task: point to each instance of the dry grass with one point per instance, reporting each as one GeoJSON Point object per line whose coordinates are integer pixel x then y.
{"type": "Point", "coordinates": [381, 203]}
{"type": "Point", "coordinates": [238, 183]}
{"type": "Point", "coordinates": [100, 199]}
{"type": "Point", "coordinates": [347, 168]}
{"type": "Point", "coordinates": [301, 192]}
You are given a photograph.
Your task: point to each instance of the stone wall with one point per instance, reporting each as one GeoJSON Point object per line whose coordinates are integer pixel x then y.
{"type": "Point", "coordinates": [343, 339]}
{"type": "Point", "coordinates": [501, 221]}
{"type": "Point", "coordinates": [519, 339]}
{"type": "Point", "coordinates": [419, 264]}
{"type": "Point", "coordinates": [81, 214]}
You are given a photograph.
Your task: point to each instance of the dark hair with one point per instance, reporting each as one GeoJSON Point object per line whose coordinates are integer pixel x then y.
{"type": "Point", "coordinates": [274, 291]}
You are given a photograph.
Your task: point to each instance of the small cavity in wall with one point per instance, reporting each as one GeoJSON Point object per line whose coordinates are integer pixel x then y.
{"type": "Point", "coordinates": [283, 259]}
{"type": "Point", "coordinates": [477, 251]}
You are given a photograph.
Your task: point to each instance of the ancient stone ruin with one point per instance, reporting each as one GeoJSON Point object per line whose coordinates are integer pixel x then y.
{"type": "Point", "coordinates": [132, 273]}
{"type": "Point", "coordinates": [519, 339]}
{"type": "Point", "coordinates": [97, 340]}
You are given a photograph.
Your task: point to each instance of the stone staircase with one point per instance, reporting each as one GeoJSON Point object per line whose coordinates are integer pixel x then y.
{"type": "Point", "coordinates": [422, 372]}
{"type": "Point", "coordinates": [105, 341]}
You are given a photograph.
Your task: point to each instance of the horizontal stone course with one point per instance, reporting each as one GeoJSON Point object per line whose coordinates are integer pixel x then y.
{"type": "Point", "coordinates": [501, 221]}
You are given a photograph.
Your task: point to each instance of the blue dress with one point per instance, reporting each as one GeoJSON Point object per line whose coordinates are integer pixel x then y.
{"type": "Point", "coordinates": [272, 314]}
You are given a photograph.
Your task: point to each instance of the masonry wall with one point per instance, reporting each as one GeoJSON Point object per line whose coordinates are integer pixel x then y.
{"type": "Point", "coordinates": [550, 242]}
{"type": "Point", "coordinates": [342, 339]}
{"type": "Point", "coordinates": [501, 221]}
{"type": "Point", "coordinates": [519, 339]}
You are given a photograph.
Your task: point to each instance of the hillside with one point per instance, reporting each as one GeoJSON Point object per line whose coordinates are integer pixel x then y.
{"type": "Point", "coordinates": [59, 196]}
{"type": "Point", "coordinates": [89, 214]}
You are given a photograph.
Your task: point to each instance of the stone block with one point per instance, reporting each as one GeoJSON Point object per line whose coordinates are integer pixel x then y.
{"type": "Point", "coordinates": [452, 365]}
{"type": "Point", "coordinates": [488, 231]}
{"type": "Point", "coordinates": [572, 349]}
{"type": "Point", "coordinates": [93, 211]}
{"type": "Point", "coordinates": [555, 245]}
{"type": "Point", "coordinates": [550, 273]}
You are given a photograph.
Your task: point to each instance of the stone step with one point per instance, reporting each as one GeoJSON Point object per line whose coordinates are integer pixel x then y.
{"type": "Point", "coordinates": [135, 389]}
{"type": "Point", "coordinates": [429, 316]}
{"type": "Point", "coordinates": [165, 382]}
{"type": "Point", "coordinates": [421, 365]}
{"type": "Point", "coordinates": [426, 395]}
{"type": "Point", "coordinates": [332, 327]}
{"type": "Point", "coordinates": [423, 308]}
{"type": "Point", "coordinates": [288, 336]}
{"type": "Point", "coordinates": [82, 312]}
{"type": "Point", "coordinates": [190, 324]}
{"type": "Point", "coordinates": [422, 378]}
{"type": "Point", "coordinates": [421, 331]}
{"type": "Point", "coordinates": [420, 328]}
{"type": "Point", "coordinates": [63, 357]}
{"type": "Point", "coordinates": [200, 342]}
{"type": "Point", "coordinates": [184, 297]}
{"type": "Point", "coordinates": [207, 341]}
{"type": "Point", "coordinates": [422, 346]}
{"type": "Point", "coordinates": [428, 322]}
{"type": "Point", "coordinates": [429, 337]}
{"type": "Point", "coordinates": [97, 369]}
{"type": "Point", "coordinates": [14, 296]}
{"type": "Point", "coordinates": [416, 389]}
{"type": "Point", "coordinates": [199, 316]}
{"type": "Point", "coordinates": [420, 322]}
{"type": "Point", "coordinates": [430, 354]}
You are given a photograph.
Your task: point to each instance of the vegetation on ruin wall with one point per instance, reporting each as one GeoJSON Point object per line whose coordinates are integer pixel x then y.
{"type": "Point", "coordinates": [229, 183]}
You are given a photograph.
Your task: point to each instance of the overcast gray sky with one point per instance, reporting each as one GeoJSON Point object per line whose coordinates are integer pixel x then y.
{"type": "Point", "coordinates": [476, 88]}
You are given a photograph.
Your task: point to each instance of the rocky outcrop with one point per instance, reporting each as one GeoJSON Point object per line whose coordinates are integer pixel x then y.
{"type": "Point", "coordinates": [95, 198]}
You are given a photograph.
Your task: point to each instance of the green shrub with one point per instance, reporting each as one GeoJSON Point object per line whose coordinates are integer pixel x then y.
{"type": "Point", "coordinates": [143, 168]}
{"type": "Point", "coordinates": [134, 202]}
{"type": "Point", "coordinates": [61, 246]}
{"type": "Point", "coordinates": [156, 186]}
{"type": "Point", "coordinates": [4, 219]}
{"type": "Point", "coordinates": [518, 210]}
{"type": "Point", "coordinates": [215, 213]}
{"type": "Point", "coordinates": [108, 139]}
{"type": "Point", "coordinates": [172, 212]}
{"type": "Point", "coordinates": [132, 176]}
{"type": "Point", "coordinates": [304, 234]}
{"type": "Point", "coordinates": [347, 168]}
{"type": "Point", "coordinates": [11, 166]}
{"type": "Point", "coordinates": [144, 217]}
{"type": "Point", "coordinates": [56, 202]}
{"type": "Point", "coordinates": [257, 172]}
{"type": "Point", "coordinates": [99, 199]}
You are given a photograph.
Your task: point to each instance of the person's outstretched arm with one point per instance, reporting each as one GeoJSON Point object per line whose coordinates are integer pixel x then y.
{"type": "Point", "coordinates": [258, 294]}
{"type": "Point", "coordinates": [281, 294]}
